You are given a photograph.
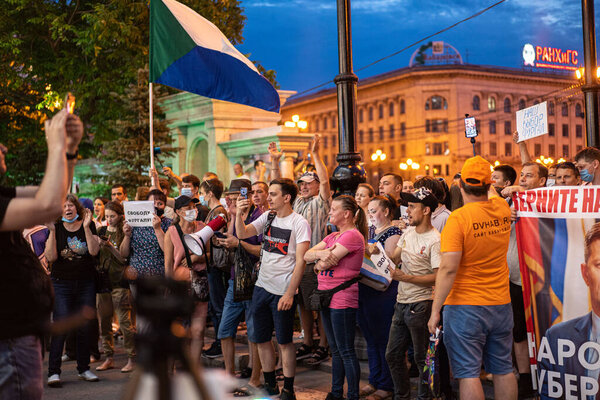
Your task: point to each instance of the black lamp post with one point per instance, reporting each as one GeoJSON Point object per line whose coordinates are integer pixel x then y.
{"type": "Point", "coordinates": [348, 174]}
{"type": "Point", "coordinates": [590, 87]}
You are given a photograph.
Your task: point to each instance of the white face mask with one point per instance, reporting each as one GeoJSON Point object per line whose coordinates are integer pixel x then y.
{"type": "Point", "coordinates": [186, 192]}
{"type": "Point", "coordinates": [550, 182]}
{"type": "Point", "coordinates": [191, 215]}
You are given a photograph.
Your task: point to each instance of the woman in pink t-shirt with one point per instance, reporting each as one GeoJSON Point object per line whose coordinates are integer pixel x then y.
{"type": "Point", "coordinates": [338, 259]}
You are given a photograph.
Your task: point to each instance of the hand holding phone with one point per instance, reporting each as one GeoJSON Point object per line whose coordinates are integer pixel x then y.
{"type": "Point", "coordinates": [244, 192]}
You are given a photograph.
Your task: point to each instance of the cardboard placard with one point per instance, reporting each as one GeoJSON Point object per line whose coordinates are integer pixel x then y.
{"type": "Point", "coordinates": [532, 121]}
{"type": "Point", "coordinates": [139, 213]}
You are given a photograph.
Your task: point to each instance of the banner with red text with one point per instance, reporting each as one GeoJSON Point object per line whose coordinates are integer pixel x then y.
{"type": "Point", "coordinates": [560, 287]}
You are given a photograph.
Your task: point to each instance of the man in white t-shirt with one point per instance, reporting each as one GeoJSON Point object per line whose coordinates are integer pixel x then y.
{"type": "Point", "coordinates": [281, 269]}
{"type": "Point", "coordinates": [419, 251]}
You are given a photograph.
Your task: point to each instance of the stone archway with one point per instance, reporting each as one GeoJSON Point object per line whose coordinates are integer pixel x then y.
{"type": "Point", "coordinates": [197, 163]}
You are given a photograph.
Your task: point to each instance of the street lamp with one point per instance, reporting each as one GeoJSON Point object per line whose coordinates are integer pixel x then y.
{"type": "Point", "coordinates": [296, 122]}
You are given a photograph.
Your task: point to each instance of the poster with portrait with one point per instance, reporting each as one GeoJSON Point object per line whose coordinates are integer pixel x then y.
{"type": "Point", "coordinates": [558, 235]}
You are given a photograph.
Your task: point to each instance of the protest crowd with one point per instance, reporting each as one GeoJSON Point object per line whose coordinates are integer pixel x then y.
{"type": "Point", "coordinates": [451, 248]}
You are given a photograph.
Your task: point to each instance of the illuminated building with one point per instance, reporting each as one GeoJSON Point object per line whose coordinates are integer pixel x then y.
{"type": "Point", "coordinates": [418, 113]}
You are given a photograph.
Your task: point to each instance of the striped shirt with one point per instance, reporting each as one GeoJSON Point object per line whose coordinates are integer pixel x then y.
{"type": "Point", "coordinates": [316, 211]}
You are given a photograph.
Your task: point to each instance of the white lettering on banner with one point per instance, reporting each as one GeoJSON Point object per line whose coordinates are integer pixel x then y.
{"type": "Point", "coordinates": [588, 386]}
{"type": "Point", "coordinates": [532, 121]}
{"type": "Point", "coordinates": [559, 202]}
{"type": "Point", "coordinates": [566, 349]}
{"type": "Point", "coordinates": [139, 213]}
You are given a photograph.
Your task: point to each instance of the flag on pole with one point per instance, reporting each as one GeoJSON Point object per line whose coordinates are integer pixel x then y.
{"type": "Point", "coordinates": [190, 53]}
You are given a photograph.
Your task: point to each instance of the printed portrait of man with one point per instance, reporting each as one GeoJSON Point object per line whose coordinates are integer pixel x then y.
{"type": "Point", "coordinates": [570, 359]}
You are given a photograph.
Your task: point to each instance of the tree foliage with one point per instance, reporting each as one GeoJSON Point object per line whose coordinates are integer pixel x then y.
{"type": "Point", "coordinates": [92, 48]}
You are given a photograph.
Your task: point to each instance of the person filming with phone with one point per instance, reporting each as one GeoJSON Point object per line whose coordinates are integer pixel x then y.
{"type": "Point", "coordinates": [26, 297]}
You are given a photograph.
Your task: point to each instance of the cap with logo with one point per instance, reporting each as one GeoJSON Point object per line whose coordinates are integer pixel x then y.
{"type": "Point", "coordinates": [421, 195]}
{"type": "Point", "coordinates": [309, 177]}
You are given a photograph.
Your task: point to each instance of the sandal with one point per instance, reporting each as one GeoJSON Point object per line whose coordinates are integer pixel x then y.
{"type": "Point", "coordinates": [380, 395]}
{"type": "Point", "coordinates": [244, 373]}
{"type": "Point", "coordinates": [367, 390]}
{"type": "Point", "coordinates": [279, 374]}
{"type": "Point", "coordinates": [304, 351]}
{"type": "Point", "coordinates": [321, 354]}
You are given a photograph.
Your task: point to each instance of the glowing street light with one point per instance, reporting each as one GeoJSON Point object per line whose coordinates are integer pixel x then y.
{"type": "Point", "coordinates": [403, 166]}
{"type": "Point", "coordinates": [415, 165]}
{"type": "Point", "coordinates": [296, 122]}
{"type": "Point", "coordinates": [378, 156]}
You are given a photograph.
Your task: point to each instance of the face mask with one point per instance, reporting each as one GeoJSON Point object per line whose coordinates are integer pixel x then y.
{"type": "Point", "coordinates": [586, 176]}
{"type": "Point", "coordinates": [159, 211]}
{"type": "Point", "coordinates": [550, 182]}
{"type": "Point", "coordinates": [186, 192]}
{"type": "Point", "coordinates": [202, 201]}
{"type": "Point", "coordinates": [71, 220]}
{"type": "Point", "coordinates": [190, 215]}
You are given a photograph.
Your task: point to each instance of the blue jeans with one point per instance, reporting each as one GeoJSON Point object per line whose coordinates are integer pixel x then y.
{"type": "Point", "coordinates": [217, 290]}
{"type": "Point", "coordinates": [409, 325]}
{"type": "Point", "coordinates": [69, 297]}
{"type": "Point", "coordinates": [21, 368]}
{"type": "Point", "coordinates": [232, 315]}
{"type": "Point", "coordinates": [375, 312]}
{"type": "Point", "coordinates": [339, 327]}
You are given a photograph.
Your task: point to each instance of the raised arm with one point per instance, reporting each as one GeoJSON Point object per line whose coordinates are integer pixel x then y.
{"type": "Point", "coordinates": [324, 189]}
{"type": "Point", "coordinates": [242, 230]}
{"type": "Point", "coordinates": [63, 133]}
{"type": "Point", "coordinates": [124, 247]}
{"type": "Point", "coordinates": [525, 156]}
{"type": "Point", "coordinates": [50, 248]}
{"type": "Point", "coordinates": [275, 157]}
{"type": "Point", "coordinates": [158, 232]}
{"type": "Point", "coordinates": [168, 255]}
{"type": "Point", "coordinates": [90, 238]}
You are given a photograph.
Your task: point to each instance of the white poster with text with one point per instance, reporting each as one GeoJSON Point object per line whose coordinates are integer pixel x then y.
{"type": "Point", "coordinates": [139, 213]}
{"type": "Point", "coordinates": [532, 121]}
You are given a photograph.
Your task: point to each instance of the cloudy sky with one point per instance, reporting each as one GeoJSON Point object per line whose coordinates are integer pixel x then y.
{"type": "Point", "coordinates": [298, 38]}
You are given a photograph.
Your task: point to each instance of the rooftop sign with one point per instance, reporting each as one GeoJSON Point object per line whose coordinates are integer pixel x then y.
{"type": "Point", "coordinates": [435, 53]}
{"type": "Point", "coordinates": [550, 57]}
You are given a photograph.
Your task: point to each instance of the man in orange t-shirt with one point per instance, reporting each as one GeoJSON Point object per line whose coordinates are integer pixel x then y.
{"type": "Point", "coordinates": [472, 284]}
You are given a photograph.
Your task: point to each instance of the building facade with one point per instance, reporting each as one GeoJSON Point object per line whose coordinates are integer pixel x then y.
{"type": "Point", "coordinates": [415, 116]}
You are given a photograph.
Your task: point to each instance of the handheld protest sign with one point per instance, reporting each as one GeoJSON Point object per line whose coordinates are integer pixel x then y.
{"type": "Point", "coordinates": [532, 121]}
{"type": "Point", "coordinates": [139, 213]}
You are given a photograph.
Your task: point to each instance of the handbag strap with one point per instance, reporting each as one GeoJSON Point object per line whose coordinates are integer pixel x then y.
{"type": "Point", "coordinates": [186, 251]}
{"type": "Point", "coordinates": [341, 286]}
{"type": "Point", "coordinates": [270, 218]}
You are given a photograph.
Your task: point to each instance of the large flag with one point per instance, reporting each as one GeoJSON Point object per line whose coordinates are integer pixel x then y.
{"type": "Point", "coordinates": [560, 287]}
{"type": "Point", "coordinates": [190, 53]}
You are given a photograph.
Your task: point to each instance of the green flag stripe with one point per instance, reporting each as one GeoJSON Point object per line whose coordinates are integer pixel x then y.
{"type": "Point", "coordinates": [168, 40]}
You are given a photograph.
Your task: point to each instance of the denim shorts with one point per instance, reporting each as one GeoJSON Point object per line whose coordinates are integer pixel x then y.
{"type": "Point", "coordinates": [232, 315]}
{"type": "Point", "coordinates": [265, 318]}
{"type": "Point", "coordinates": [476, 334]}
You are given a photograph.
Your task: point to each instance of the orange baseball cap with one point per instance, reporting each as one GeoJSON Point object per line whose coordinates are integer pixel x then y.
{"type": "Point", "coordinates": [476, 171]}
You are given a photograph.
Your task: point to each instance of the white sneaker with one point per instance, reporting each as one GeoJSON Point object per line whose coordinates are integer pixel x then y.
{"type": "Point", "coordinates": [88, 376]}
{"type": "Point", "coordinates": [54, 381]}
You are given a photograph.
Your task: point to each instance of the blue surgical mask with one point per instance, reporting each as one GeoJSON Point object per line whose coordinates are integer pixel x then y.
{"type": "Point", "coordinates": [71, 220]}
{"type": "Point", "coordinates": [586, 176]}
{"type": "Point", "coordinates": [202, 201]}
{"type": "Point", "coordinates": [186, 192]}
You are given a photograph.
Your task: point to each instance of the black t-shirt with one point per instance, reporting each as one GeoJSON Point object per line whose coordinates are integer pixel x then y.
{"type": "Point", "coordinates": [26, 295]}
{"type": "Point", "coordinates": [74, 261]}
{"type": "Point", "coordinates": [202, 212]}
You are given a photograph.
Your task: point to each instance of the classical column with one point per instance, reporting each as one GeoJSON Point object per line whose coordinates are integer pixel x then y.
{"type": "Point", "coordinates": [348, 174]}
{"type": "Point", "coordinates": [287, 165]}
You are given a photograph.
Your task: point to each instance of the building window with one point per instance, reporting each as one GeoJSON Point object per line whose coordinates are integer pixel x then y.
{"type": "Point", "coordinates": [564, 109]}
{"type": "Point", "coordinates": [476, 103]}
{"type": "Point", "coordinates": [427, 148]}
{"type": "Point", "coordinates": [491, 103]}
{"type": "Point", "coordinates": [402, 129]}
{"type": "Point", "coordinates": [370, 113]}
{"type": "Point", "coordinates": [333, 122]}
{"type": "Point", "coordinates": [325, 142]}
{"type": "Point", "coordinates": [326, 159]}
{"type": "Point", "coordinates": [565, 130]}
{"type": "Point", "coordinates": [427, 126]}
{"type": "Point", "coordinates": [381, 137]}
{"type": "Point", "coordinates": [361, 115]}
{"type": "Point", "coordinates": [508, 149]}
{"type": "Point", "coordinates": [478, 125]}
{"type": "Point", "coordinates": [552, 150]}
{"type": "Point", "coordinates": [565, 152]}
{"type": "Point", "coordinates": [493, 127]}
{"type": "Point", "coordinates": [317, 125]}
{"type": "Point", "coordinates": [402, 107]}
{"type": "Point", "coordinates": [507, 105]}
{"type": "Point", "coordinates": [578, 110]}
{"type": "Point", "coordinates": [578, 149]}
{"type": "Point", "coordinates": [393, 152]}
{"type": "Point", "coordinates": [361, 137]}
{"type": "Point", "coordinates": [522, 104]}
{"type": "Point", "coordinates": [392, 131]}
{"type": "Point", "coordinates": [578, 131]}
{"type": "Point", "coordinates": [551, 129]}
{"type": "Point", "coordinates": [436, 103]}
{"type": "Point", "coordinates": [436, 125]}
{"type": "Point", "coordinates": [402, 150]}
{"type": "Point", "coordinates": [437, 149]}
{"type": "Point", "coordinates": [391, 106]}
{"type": "Point", "coordinates": [381, 111]}
{"type": "Point", "coordinates": [325, 123]}
{"type": "Point", "coordinates": [333, 141]}
{"type": "Point", "coordinates": [550, 108]}
{"type": "Point", "coordinates": [371, 137]}
{"type": "Point", "coordinates": [537, 149]}
{"type": "Point", "coordinates": [507, 128]}
{"type": "Point", "coordinates": [493, 150]}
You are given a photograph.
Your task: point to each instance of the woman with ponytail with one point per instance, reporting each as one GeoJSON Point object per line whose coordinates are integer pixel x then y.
{"type": "Point", "coordinates": [338, 260]}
